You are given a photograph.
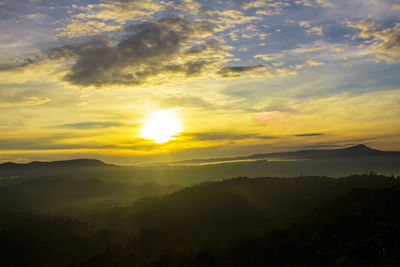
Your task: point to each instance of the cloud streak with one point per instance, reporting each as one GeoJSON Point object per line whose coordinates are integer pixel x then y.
{"type": "Point", "coordinates": [223, 136]}
{"type": "Point", "coordinates": [88, 125]}
{"type": "Point", "coordinates": [26, 102]}
{"type": "Point", "coordinates": [308, 134]}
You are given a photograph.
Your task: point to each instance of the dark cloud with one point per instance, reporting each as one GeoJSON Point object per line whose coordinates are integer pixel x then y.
{"type": "Point", "coordinates": [309, 134]}
{"type": "Point", "coordinates": [238, 71]}
{"type": "Point", "coordinates": [189, 68]}
{"type": "Point", "coordinates": [148, 50]}
{"type": "Point", "coordinates": [142, 52]}
{"type": "Point", "coordinates": [21, 63]}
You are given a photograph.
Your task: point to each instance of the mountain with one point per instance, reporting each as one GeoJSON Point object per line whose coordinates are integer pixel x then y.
{"type": "Point", "coordinates": [73, 169]}
{"type": "Point", "coordinates": [74, 163]}
{"type": "Point", "coordinates": [354, 151]}
{"type": "Point", "coordinates": [334, 163]}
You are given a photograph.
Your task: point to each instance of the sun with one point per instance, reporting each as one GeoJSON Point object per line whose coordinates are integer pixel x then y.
{"type": "Point", "coordinates": [161, 126]}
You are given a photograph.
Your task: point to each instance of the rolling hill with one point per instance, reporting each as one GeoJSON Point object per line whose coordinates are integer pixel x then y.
{"type": "Point", "coordinates": [334, 163]}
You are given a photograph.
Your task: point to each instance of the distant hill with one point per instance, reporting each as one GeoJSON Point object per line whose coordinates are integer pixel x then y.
{"type": "Point", "coordinates": [335, 163]}
{"type": "Point", "coordinates": [74, 163]}
{"type": "Point", "coordinates": [354, 151]}
{"type": "Point", "coordinates": [73, 169]}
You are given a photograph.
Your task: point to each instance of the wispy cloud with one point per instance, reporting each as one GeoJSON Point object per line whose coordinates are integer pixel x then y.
{"type": "Point", "coordinates": [89, 125]}
{"type": "Point", "coordinates": [224, 136]}
{"type": "Point", "coordinates": [238, 71]}
{"type": "Point", "coordinates": [309, 134]}
{"type": "Point", "coordinates": [26, 102]}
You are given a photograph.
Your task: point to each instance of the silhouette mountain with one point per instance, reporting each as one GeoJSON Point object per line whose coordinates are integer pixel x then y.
{"type": "Point", "coordinates": [334, 162]}
{"type": "Point", "coordinates": [353, 151]}
{"type": "Point", "coordinates": [74, 163]}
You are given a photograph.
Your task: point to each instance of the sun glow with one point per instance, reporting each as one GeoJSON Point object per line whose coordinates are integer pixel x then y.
{"type": "Point", "coordinates": [161, 126]}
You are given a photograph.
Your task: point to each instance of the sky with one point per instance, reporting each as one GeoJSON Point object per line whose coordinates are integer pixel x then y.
{"type": "Point", "coordinates": [79, 79]}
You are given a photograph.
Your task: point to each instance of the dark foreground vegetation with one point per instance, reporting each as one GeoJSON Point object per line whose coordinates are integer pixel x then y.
{"type": "Point", "coordinates": [303, 221]}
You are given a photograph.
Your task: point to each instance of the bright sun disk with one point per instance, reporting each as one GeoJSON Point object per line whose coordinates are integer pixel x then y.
{"type": "Point", "coordinates": [161, 126]}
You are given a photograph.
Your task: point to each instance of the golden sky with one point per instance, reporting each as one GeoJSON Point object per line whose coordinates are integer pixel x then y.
{"type": "Point", "coordinates": [79, 79]}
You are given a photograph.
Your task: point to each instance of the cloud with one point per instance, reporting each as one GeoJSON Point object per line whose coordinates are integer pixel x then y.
{"type": "Point", "coordinates": [307, 50]}
{"type": "Point", "coordinates": [88, 125]}
{"type": "Point", "coordinates": [269, 57]}
{"type": "Point", "coordinates": [48, 144]}
{"type": "Point", "coordinates": [303, 2]}
{"type": "Point", "coordinates": [286, 72]}
{"type": "Point", "coordinates": [185, 101]}
{"type": "Point", "coordinates": [22, 62]}
{"type": "Point", "coordinates": [119, 11]}
{"type": "Point", "coordinates": [265, 7]}
{"type": "Point", "coordinates": [228, 19]}
{"type": "Point", "coordinates": [189, 68]}
{"type": "Point", "coordinates": [309, 28]}
{"type": "Point", "coordinates": [87, 28]}
{"type": "Point", "coordinates": [308, 134]}
{"type": "Point", "coordinates": [281, 108]}
{"type": "Point", "coordinates": [158, 51]}
{"type": "Point", "coordinates": [304, 24]}
{"type": "Point", "coordinates": [26, 101]}
{"type": "Point", "coordinates": [316, 30]}
{"type": "Point", "coordinates": [339, 49]}
{"type": "Point", "coordinates": [223, 136]}
{"type": "Point", "coordinates": [384, 43]}
{"type": "Point", "coordinates": [238, 71]}
{"type": "Point", "coordinates": [147, 51]}
{"type": "Point", "coordinates": [314, 63]}
{"type": "Point", "coordinates": [324, 3]}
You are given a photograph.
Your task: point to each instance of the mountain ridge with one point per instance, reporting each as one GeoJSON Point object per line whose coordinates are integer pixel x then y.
{"type": "Point", "coordinates": [334, 162]}
{"type": "Point", "coordinates": [58, 163]}
{"type": "Point", "coordinates": [357, 150]}
{"type": "Point", "coordinates": [352, 151]}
